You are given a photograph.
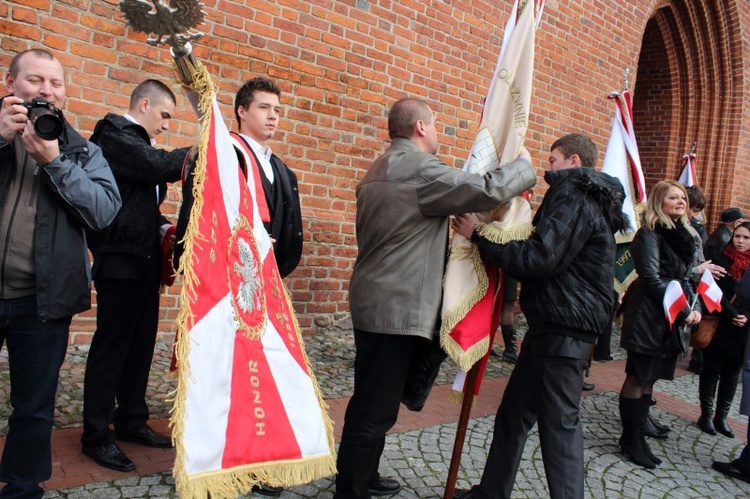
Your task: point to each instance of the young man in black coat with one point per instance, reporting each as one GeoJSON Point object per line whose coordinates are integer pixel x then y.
{"type": "Point", "coordinates": [127, 276]}
{"type": "Point", "coordinates": [566, 269]}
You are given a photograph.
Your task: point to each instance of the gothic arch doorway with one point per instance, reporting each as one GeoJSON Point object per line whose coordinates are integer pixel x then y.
{"type": "Point", "coordinates": [688, 88]}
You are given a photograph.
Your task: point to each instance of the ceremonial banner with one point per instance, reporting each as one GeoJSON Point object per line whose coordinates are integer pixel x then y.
{"type": "Point", "coordinates": [247, 409]}
{"type": "Point", "coordinates": [468, 298]}
{"type": "Point", "coordinates": [687, 177]}
{"type": "Point", "coordinates": [623, 161]}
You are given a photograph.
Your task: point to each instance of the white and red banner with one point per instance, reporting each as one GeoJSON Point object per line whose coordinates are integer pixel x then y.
{"type": "Point", "coordinates": [248, 408]}
{"type": "Point", "coordinates": [687, 177]}
{"type": "Point", "coordinates": [622, 161]}
{"type": "Point", "coordinates": [710, 292]}
{"type": "Point", "coordinates": [469, 293]}
{"type": "Point", "coordinates": [674, 301]}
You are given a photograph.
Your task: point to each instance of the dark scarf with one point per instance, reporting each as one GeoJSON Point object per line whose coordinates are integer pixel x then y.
{"type": "Point", "coordinates": [740, 261]}
{"type": "Point", "coordinates": [679, 239]}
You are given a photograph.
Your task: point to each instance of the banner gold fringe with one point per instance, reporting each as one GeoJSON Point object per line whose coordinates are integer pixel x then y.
{"type": "Point", "coordinates": [504, 236]}
{"type": "Point", "coordinates": [458, 397]}
{"type": "Point", "coordinates": [230, 484]}
{"type": "Point", "coordinates": [203, 86]}
{"type": "Point", "coordinates": [453, 316]}
{"type": "Point", "coordinates": [467, 358]}
{"type": "Point", "coordinates": [239, 480]}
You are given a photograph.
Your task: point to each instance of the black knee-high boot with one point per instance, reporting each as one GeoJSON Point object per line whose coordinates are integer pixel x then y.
{"type": "Point", "coordinates": [632, 439]}
{"type": "Point", "coordinates": [706, 393]}
{"type": "Point", "coordinates": [645, 407]}
{"type": "Point", "coordinates": [727, 389]}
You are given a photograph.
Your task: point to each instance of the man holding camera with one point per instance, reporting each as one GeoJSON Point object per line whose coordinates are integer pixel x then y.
{"type": "Point", "coordinates": [58, 187]}
{"type": "Point", "coordinates": [127, 274]}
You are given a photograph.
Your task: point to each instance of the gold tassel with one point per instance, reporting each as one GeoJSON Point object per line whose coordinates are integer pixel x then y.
{"type": "Point", "coordinates": [202, 85]}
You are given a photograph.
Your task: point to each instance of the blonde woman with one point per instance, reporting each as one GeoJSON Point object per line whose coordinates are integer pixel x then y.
{"type": "Point", "coordinates": [663, 250]}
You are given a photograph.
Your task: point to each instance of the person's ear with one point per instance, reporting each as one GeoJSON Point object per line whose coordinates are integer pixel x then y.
{"type": "Point", "coordinates": [575, 159]}
{"type": "Point", "coordinates": [9, 82]}
{"type": "Point", "coordinates": [145, 103]}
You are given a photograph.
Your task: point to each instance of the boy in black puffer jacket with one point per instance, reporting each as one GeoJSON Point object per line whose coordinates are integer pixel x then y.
{"type": "Point", "coordinates": [566, 269]}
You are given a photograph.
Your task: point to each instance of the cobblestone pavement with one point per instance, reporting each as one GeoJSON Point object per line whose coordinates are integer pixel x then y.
{"type": "Point", "coordinates": [419, 458]}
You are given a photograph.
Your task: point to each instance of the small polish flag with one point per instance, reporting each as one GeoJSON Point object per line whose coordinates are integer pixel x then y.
{"type": "Point", "coordinates": [710, 291]}
{"type": "Point", "coordinates": [674, 301]}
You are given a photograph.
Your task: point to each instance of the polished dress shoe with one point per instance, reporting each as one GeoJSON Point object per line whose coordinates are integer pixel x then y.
{"type": "Point", "coordinates": [730, 469]}
{"type": "Point", "coordinates": [145, 436]}
{"type": "Point", "coordinates": [383, 486]}
{"type": "Point", "coordinates": [110, 456]}
{"type": "Point", "coordinates": [587, 387]}
{"type": "Point", "coordinates": [654, 430]}
{"type": "Point", "coordinates": [464, 494]}
{"type": "Point", "coordinates": [267, 490]}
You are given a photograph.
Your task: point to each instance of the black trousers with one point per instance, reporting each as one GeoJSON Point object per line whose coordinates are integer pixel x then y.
{"type": "Point", "coordinates": [120, 357]}
{"type": "Point", "coordinates": [36, 350]}
{"type": "Point", "coordinates": [546, 389]}
{"type": "Point", "coordinates": [380, 369]}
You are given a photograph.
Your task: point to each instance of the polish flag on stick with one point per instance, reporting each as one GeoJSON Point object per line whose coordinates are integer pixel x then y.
{"type": "Point", "coordinates": [710, 292]}
{"type": "Point", "coordinates": [674, 301]}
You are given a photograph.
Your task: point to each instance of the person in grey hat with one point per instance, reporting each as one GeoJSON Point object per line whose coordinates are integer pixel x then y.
{"type": "Point", "coordinates": [719, 238]}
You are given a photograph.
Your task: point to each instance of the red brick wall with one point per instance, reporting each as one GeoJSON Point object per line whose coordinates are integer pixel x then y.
{"type": "Point", "coordinates": [341, 64]}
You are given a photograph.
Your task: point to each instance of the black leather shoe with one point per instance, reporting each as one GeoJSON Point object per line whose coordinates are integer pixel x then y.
{"type": "Point", "coordinates": [730, 469]}
{"type": "Point", "coordinates": [464, 494]}
{"type": "Point", "coordinates": [267, 490]}
{"type": "Point", "coordinates": [653, 430]}
{"type": "Point", "coordinates": [587, 387]}
{"type": "Point", "coordinates": [110, 456]}
{"type": "Point", "coordinates": [145, 436]}
{"type": "Point", "coordinates": [384, 487]}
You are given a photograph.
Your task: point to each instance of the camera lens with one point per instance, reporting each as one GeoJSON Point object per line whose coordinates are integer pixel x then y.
{"type": "Point", "coordinates": [46, 124]}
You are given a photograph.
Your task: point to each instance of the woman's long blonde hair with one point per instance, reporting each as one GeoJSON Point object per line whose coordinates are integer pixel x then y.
{"type": "Point", "coordinates": [654, 212]}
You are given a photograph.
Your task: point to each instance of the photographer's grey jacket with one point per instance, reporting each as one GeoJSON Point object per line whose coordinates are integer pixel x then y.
{"type": "Point", "coordinates": [76, 191]}
{"type": "Point", "coordinates": [403, 205]}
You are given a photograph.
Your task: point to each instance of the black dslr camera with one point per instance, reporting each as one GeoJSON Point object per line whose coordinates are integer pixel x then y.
{"type": "Point", "coordinates": [47, 119]}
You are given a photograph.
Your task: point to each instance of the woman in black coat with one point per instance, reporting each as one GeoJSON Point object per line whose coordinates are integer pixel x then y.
{"type": "Point", "coordinates": [722, 358]}
{"type": "Point", "coordinates": [663, 250]}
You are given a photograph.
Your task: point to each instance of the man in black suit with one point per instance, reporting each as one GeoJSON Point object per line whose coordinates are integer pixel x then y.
{"type": "Point", "coordinates": [127, 275]}
{"type": "Point", "coordinates": [257, 109]}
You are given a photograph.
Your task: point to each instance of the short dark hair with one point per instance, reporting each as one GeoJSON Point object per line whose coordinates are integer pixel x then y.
{"type": "Point", "coordinates": [580, 144]}
{"type": "Point", "coordinates": [696, 198]}
{"type": "Point", "coordinates": [404, 115]}
{"type": "Point", "coordinates": [151, 89]}
{"type": "Point", "coordinates": [245, 94]}
{"type": "Point", "coordinates": [16, 61]}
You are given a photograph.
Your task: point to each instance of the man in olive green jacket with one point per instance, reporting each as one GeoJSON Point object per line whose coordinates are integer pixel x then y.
{"type": "Point", "coordinates": [403, 208]}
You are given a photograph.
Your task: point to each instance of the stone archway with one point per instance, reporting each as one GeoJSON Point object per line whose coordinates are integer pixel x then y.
{"type": "Point", "coordinates": [689, 87]}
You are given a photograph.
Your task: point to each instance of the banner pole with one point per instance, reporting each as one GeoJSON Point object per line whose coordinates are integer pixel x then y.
{"type": "Point", "coordinates": [463, 422]}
